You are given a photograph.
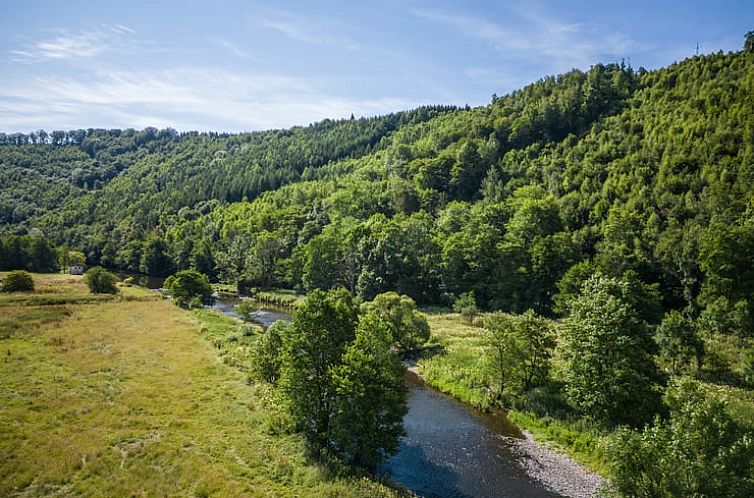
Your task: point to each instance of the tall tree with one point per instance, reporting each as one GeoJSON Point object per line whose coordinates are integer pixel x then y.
{"type": "Point", "coordinates": [699, 451]}
{"type": "Point", "coordinates": [371, 395]}
{"type": "Point", "coordinates": [408, 328]}
{"type": "Point", "coordinates": [610, 372]}
{"type": "Point", "coordinates": [520, 349]}
{"type": "Point", "coordinates": [155, 260]}
{"type": "Point", "coordinates": [313, 346]}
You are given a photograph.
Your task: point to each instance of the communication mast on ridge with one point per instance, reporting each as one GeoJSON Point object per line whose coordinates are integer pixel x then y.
{"type": "Point", "coordinates": [697, 48]}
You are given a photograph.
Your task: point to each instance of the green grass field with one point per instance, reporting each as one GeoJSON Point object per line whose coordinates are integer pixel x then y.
{"type": "Point", "coordinates": [131, 396]}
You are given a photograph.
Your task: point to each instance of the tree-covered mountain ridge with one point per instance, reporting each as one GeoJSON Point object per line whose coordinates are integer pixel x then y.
{"type": "Point", "coordinates": [641, 174]}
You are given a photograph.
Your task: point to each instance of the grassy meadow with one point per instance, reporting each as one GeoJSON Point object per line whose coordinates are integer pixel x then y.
{"type": "Point", "coordinates": [132, 396]}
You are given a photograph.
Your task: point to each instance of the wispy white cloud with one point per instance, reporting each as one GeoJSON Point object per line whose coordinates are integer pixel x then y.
{"type": "Point", "coordinates": [230, 47]}
{"type": "Point", "coordinates": [529, 33]}
{"type": "Point", "coordinates": [291, 30]}
{"type": "Point", "coordinates": [183, 98]}
{"type": "Point", "coordinates": [305, 29]}
{"type": "Point", "coordinates": [124, 29]}
{"type": "Point", "coordinates": [82, 44]}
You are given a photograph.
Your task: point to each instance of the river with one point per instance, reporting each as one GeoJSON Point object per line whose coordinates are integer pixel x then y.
{"type": "Point", "coordinates": [225, 303]}
{"type": "Point", "coordinates": [264, 316]}
{"type": "Point", "coordinates": [450, 450]}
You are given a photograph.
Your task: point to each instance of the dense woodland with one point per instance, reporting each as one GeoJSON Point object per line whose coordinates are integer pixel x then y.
{"type": "Point", "coordinates": [620, 200]}
{"type": "Point", "coordinates": [613, 170]}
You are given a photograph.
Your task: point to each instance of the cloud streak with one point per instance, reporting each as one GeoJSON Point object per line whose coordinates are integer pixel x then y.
{"type": "Point", "coordinates": [231, 48]}
{"type": "Point", "coordinates": [82, 44]}
{"type": "Point", "coordinates": [531, 34]}
{"type": "Point", "coordinates": [305, 30]}
{"type": "Point", "coordinates": [182, 98]}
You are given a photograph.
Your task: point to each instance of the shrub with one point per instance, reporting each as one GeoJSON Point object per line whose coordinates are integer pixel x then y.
{"type": "Point", "coordinates": [679, 342]}
{"type": "Point", "coordinates": [129, 281]}
{"type": "Point", "coordinates": [101, 281]}
{"type": "Point", "coordinates": [190, 289]}
{"type": "Point", "coordinates": [246, 309]}
{"type": "Point", "coordinates": [466, 306]}
{"type": "Point", "coordinates": [699, 451]}
{"type": "Point", "coordinates": [544, 401]}
{"type": "Point", "coordinates": [408, 328]}
{"type": "Point", "coordinates": [247, 330]}
{"type": "Point", "coordinates": [519, 351]}
{"type": "Point", "coordinates": [747, 366]}
{"type": "Point", "coordinates": [266, 352]}
{"type": "Point", "coordinates": [17, 281]}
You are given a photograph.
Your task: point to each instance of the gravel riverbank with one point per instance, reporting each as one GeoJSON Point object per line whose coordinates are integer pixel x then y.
{"type": "Point", "coordinates": [557, 471]}
{"type": "Point", "coordinates": [551, 467]}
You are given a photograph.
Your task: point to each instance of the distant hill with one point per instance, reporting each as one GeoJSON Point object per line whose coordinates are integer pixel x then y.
{"type": "Point", "coordinates": [646, 173]}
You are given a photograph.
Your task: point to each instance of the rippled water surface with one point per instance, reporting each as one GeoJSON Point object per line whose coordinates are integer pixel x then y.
{"type": "Point", "coordinates": [451, 451]}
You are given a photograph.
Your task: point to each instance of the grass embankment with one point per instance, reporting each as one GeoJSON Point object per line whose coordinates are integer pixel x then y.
{"type": "Point", "coordinates": [225, 288]}
{"type": "Point", "coordinates": [461, 372]}
{"type": "Point", "coordinates": [127, 398]}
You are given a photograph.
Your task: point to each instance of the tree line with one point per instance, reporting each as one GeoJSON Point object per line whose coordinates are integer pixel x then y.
{"type": "Point", "coordinates": [614, 199]}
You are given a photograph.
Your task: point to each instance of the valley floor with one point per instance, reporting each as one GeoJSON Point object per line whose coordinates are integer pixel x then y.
{"type": "Point", "coordinates": [125, 397]}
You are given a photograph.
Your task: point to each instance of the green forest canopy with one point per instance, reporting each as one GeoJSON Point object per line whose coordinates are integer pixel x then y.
{"type": "Point", "coordinates": [648, 174]}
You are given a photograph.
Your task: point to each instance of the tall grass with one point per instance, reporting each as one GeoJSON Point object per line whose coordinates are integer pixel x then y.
{"type": "Point", "coordinates": [128, 398]}
{"type": "Point", "coordinates": [279, 298]}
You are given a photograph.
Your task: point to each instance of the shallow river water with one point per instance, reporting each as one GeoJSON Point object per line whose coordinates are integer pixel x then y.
{"type": "Point", "coordinates": [264, 316]}
{"type": "Point", "coordinates": [450, 450]}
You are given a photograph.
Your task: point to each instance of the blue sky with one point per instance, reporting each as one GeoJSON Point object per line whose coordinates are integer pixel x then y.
{"type": "Point", "coordinates": [230, 65]}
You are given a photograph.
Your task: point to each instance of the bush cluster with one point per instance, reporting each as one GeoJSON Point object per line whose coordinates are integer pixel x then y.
{"type": "Point", "coordinates": [101, 281]}
{"type": "Point", "coordinates": [17, 281]}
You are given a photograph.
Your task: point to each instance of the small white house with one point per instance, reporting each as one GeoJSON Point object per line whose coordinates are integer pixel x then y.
{"type": "Point", "coordinates": [77, 270]}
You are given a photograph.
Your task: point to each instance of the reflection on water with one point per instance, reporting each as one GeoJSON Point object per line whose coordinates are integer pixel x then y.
{"type": "Point", "coordinates": [226, 304]}
{"type": "Point", "coordinates": [451, 451]}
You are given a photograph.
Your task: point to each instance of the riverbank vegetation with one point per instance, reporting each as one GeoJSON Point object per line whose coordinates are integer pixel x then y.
{"type": "Point", "coordinates": [279, 298]}
{"type": "Point", "coordinates": [127, 397]}
{"type": "Point", "coordinates": [594, 229]}
{"type": "Point", "coordinates": [699, 407]}
{"type": "Point", "coordinates": [336, 366]}
{"type": "Point", "coordinates": [468, 372]}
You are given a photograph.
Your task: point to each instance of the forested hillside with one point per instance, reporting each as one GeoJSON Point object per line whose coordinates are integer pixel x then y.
{"type": "Point", "coordinates": [637, 174]}
{"type": "Point", "coordinates": [61, 182]}
{"type": "Point", "coordinates": [609, 214]}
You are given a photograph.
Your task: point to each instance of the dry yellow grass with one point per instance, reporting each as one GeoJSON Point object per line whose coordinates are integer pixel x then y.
{"type": "Point", "coordinates": [126, 398]}
{"type": "Point", "coordinates": [56, 288]}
